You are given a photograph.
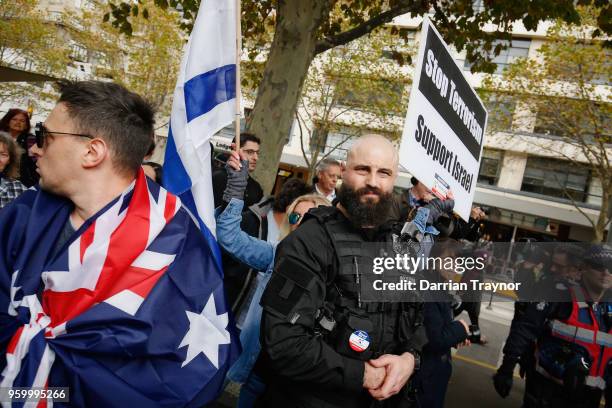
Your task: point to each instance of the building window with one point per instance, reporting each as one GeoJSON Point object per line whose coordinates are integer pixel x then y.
{"type": "Point", "coordinates": [78, 52]}
{"type": "Point", "coordinates": [501, 110]}
{"type": "Point", "coordinates": [597, 121]}
{"type": "Point", "coordinates": [318, 139]}
{"type": "Point", "coordinates": [490, 166]}
{"type": "Point", "coordinates": [518, 49]}
{"type": "Point", "coordinates": [583, 70]}
{"type": "Point", "coordinates": [334, 143]}
{"type": "Point", "coordinates": [381, 93]}
{"type": "Point", "coordinates": [556, 178]}
{"type": "Point", "coordinates": [28, 64]}
{"type": "Point", "coordinates": [478, 6]}
{"type": "Point", "coordinates": [55, 15]}
{"type": "Point", "coordinates": [340, 141]}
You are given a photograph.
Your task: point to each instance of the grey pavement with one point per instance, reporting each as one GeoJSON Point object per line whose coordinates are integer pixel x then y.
{"type": "Point", "coordinates": [471, 385]}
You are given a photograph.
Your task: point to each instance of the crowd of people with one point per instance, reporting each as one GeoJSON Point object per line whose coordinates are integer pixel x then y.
{"type": "Point", "coordinates": [293, 264]}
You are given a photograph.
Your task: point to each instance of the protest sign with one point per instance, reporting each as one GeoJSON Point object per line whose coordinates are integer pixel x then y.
{"type": "Point", "coordinates": [444, 128]}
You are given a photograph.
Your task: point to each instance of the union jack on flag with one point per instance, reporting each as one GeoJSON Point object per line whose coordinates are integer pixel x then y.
{"type": "Point", "coordinates": [130, 310]}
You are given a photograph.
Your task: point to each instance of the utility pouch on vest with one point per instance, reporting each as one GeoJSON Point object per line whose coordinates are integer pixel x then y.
{"type": "Point", "coordinates": [287, 290]}
{"type": "Point", "coordinates": [411, 330]}
{"type": "Point", "coordinates": [567, 364]}
{"type": "Point", "coordinates": [576, 372]}
{"type": "Point", "coordinates": [348, 336]}
{"type": "Point", "coordinates": [324, 319]}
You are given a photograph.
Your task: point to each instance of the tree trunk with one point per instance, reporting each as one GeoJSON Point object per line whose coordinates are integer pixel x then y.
{"type": "Point", "coordinates": [292, 51]}
{"type": "Point", "coordinates": [603, 218]}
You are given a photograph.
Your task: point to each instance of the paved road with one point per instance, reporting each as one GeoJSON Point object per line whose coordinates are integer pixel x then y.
{"type": "Point", "coordinates": [471, 385]}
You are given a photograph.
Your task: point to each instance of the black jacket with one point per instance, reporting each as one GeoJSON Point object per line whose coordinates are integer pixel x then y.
{"type": "Point", "coordinates": [300, 365]}
{"type": "Point", "coordinates": [470, 230]}
{"type": "Point", "coordinates": [27, 167]}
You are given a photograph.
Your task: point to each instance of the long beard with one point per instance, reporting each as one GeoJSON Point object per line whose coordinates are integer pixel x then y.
{"type": "Point", "coordinates": [368, 213]}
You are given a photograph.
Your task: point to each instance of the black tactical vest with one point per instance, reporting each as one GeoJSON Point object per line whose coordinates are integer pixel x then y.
{"type": "Point", "coordinates": [392, 327]}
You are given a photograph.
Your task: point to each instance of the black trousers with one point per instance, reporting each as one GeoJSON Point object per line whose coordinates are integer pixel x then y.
{"type": "Point", "coordinates": [473, 310]}
{"type": "Point", "coordinates": [541, 392]}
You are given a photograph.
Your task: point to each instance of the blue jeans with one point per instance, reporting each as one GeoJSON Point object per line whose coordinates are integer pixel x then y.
{"type": "Point", "coordinates": [249, 336]}
{"type": "Point", "coordinates": [250, 391]}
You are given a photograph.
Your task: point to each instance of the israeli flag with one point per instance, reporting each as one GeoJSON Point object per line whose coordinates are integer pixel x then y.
{"type": "Point", "coordinates": [204, 102]}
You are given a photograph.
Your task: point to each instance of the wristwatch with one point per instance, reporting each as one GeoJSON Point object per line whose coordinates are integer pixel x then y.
{"type": "Point", "coordinates": [417, 359]}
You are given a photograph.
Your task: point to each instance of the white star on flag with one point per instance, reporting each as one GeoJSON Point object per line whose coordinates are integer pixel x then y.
{"type": "Point", "coordinates": [206, 333]}
{"type": "Point", "coordinates": [12, 307]}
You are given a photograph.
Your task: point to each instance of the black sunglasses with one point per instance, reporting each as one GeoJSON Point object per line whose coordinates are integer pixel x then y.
{"type": "Point", "coordinates": [41, 132]}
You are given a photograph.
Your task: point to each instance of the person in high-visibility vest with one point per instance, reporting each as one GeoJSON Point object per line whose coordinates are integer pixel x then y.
{"type": "Point", "coordinates": [573, 354]}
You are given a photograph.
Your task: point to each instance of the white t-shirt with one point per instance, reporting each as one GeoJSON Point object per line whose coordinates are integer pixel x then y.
{"type": "Point", "coordinates": [330, 197]}
{"type": "Point", "coordinates": [273, 228]}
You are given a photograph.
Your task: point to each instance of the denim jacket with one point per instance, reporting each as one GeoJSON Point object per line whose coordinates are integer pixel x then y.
{"type": "Point", "coordinates": [259, 255]}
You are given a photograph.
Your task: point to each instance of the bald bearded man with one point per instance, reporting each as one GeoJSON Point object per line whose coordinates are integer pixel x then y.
{"type": "Point", "coordinates": [322, 346]}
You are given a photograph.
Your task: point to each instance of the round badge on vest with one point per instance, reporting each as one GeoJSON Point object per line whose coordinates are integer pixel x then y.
{"type": "Point", "coordinates": [359, 341]}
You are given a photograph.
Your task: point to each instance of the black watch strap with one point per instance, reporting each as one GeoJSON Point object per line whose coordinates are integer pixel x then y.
{"type": "Point", "coordinates": [417, 359]}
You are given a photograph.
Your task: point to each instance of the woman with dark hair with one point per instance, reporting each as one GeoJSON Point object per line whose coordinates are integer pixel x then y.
{"type": "Point", "coordinates": [16, 123]}
{"type": "Point", "coordinates": [153, 171]}
{"type": "Point", "coordinates": [9, 169]}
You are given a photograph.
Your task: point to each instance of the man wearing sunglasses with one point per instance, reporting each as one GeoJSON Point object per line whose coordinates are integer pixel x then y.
{"type": "Point", "coordinates": [103, 273]}
{"type": "Point", "coordinates": [572, 327]}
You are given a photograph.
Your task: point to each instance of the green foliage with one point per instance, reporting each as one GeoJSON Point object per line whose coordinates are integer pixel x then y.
{"type": "Point", "coordinates": [145, 61]}
{"type": "Point", "coordinates": [353, 89]}
{"type": "Point", "coordinates": [458, 21]}
{"type": "Point", "coordinates": [340, 22]}
{"type": "Point", "coordinates": [29, 40]}
{"type": "Point", "coordinates": [564, 91]}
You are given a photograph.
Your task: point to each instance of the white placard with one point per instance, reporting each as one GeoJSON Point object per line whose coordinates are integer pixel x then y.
{"type": "Point", "coordinates": [444, 128]}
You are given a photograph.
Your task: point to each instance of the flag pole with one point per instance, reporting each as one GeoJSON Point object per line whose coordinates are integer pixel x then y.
{"type": "Point", "coordinates": [238, 54]}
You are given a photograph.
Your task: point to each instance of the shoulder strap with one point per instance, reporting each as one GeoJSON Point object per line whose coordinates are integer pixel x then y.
{"type": "Point", "coordinates": [322, 214]}
{"type": "Point", "coordinates": [579, 296]}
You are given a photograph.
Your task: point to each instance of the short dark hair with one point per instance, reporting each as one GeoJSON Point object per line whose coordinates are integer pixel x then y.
{"type": "Point", "coordinates": [6, 119]}
{"type": "Point", "coordinates": [292, 189]}
{"type": "Point", "coordinates": [247, 137]}
{"type": "Point", "coordinates": [109, 111]}
{"type": "Point", "coordinates": [573, 252]}
{"type": "Point", "coordinates": [157, 168]}
{"type": "Point", "coordinates": [151, 148]}
{"type": "Point", "coordinates": [414, 181]}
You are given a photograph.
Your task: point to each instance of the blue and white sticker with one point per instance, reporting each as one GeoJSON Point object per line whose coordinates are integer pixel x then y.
{"type": "Point", "coordinates": [359, 340]}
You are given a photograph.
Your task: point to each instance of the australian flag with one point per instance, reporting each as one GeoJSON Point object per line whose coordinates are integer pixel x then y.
{"type": "Point", "coordinates": [130, 311]}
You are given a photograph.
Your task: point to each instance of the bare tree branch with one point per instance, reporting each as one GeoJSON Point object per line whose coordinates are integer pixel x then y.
{"type": "Point", "coordinates": [299, 121]}
{"type": "Point", "coordinates": [364, 28]}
